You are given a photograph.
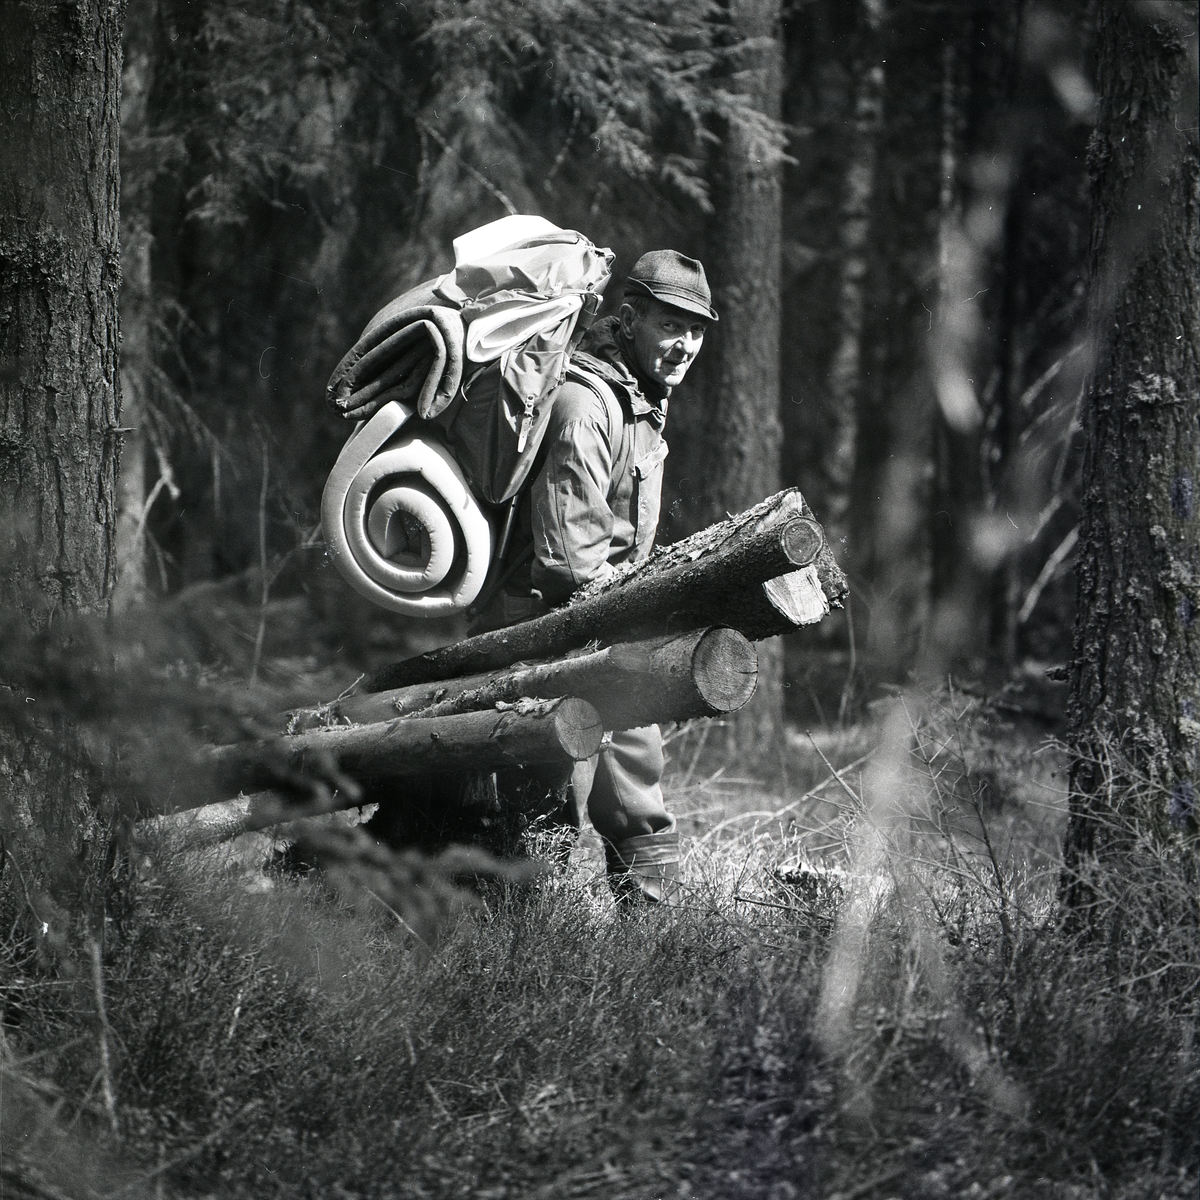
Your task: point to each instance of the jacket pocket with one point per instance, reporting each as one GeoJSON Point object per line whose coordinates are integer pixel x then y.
{"type": "Point", "coordinates": [648, 477]}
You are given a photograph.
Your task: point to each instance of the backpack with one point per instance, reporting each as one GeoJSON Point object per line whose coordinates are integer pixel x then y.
{"type": "Point", "coordinates": [473, 360]}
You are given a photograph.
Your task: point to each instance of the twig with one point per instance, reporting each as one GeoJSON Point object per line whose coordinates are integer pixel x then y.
{"type": "Point", "coordinates": [60, 1048]}
{"type": "Point", "coordinates": [764, 903]}
{"type": "Point", "coordinates": [1035, 389]}
{"type": "Point", "coordinates": [476, 174]}
{"type": "Point", "coordinates": [1047, 573]}
{"type": "Point", "coordinates": [438, 1101]}
{"type": "Point", "coordinates": [831, 768]}
{"type": "Point", "coordinates": [262, 561]}
{"type": "Point", "coordinates": [398, 917]}
{"type": "Point", "coordinates": [774, 814]}
{"type": "Point", "coordinates": [110, 1098]}
{"type": "Point", "coordinates": [560, 158]}
{"type": "Point", "coordinates": [848, 686]}
{"type": "Point", "coordinates": [870, 1184]}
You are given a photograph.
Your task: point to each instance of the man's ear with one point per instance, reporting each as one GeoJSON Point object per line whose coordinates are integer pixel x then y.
{"type": "Point", "coordinates": [628, 319]}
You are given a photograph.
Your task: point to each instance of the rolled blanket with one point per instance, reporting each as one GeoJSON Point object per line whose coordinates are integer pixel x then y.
{"type": "Point", "coordinates": [400, 522]}
{"type": "Point", "coordinates": [411, 349]}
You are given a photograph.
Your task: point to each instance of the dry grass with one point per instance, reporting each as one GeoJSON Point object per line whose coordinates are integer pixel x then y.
{"type": "Point", "coordinates": [868, 992]}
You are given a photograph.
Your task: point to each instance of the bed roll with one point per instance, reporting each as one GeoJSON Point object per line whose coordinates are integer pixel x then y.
{"type": "Point", "coordinates": [400, 523]}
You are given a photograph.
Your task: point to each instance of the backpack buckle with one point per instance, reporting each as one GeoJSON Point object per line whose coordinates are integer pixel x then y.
{"type": "Point", "coordinates": [591, 306]}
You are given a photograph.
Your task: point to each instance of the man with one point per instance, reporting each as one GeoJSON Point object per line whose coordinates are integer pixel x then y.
{"type": "Point", "coordinates": [593, 505]}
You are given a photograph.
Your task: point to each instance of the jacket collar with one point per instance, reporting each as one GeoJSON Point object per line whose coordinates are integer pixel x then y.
{"type": "Point", "coordinates": [604, 345]}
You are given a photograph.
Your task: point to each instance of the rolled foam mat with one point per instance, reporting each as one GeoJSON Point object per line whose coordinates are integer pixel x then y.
{"type": "Point", "coordinates": [400, 522]}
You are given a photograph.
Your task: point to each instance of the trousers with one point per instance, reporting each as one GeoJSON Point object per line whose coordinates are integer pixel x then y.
{"type": "Point", "coordinates": [620, 789]}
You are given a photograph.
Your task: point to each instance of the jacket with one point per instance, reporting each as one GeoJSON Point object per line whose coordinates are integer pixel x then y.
{"type": "Point", "coordinates": [595, 499]}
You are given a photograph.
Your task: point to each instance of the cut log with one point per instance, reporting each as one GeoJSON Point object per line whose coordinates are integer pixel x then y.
{"type": "Point", "coordinates": [784, 506]}
{"type": "Point", "coordinates": [211, 824]}
{"type": "Point", "coordinates": [531, 731]}
{"type": "Point", "coordinates": [714, 577]}
{"type": "Point", "coordinates": [703, 673]}
{"type": "Point", "coordinates": [779, 605]}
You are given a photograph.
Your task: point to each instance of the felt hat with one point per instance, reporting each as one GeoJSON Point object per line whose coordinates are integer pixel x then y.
{"type": "Point", "coordinates": [674, 279]}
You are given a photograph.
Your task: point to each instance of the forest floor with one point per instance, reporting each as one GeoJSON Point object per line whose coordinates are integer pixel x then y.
{"type": "Point", "coordinates": [867, 990]}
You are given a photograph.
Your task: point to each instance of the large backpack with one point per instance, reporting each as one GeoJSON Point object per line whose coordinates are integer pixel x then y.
{"type": "Point", "coordinates": [472, 361]}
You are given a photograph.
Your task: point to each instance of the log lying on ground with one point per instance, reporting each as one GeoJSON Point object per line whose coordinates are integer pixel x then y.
{"type": "Point", "coordinates": [531, 731]}
{"type": "Point", "coordinates": [715, 577]}
{"type": "Point", "coordinates": [211, 824]}
{"type": "Point", "coordinates": [527, 733]}
{"type": "Point", "coordinates": [703, 673]}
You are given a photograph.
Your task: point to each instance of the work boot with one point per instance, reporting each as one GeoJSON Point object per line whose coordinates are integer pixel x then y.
{"type": "Point", "coordinates": [644, 869]}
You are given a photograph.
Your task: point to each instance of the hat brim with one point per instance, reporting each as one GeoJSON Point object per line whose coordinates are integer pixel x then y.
{"type": "Point", "coordinates": [674, 299]}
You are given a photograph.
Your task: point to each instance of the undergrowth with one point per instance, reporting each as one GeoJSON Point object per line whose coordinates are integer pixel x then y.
{"type": "Point", "coordinates": [894, 1007]}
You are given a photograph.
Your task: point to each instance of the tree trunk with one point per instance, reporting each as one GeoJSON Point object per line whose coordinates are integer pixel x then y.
{"type": "Point", "coordinates": [746, 260]}
{"type": "Point", "coordinates": [1000, 446]}
{"type": "Point", "coordinates": [136, 305]}
{"type": "Point", "coordinates": [60, 70]}
{"type": "Point", "coordinates": [1135, 677]}
{"type": "Point", "coordinates": [957, 500]}
{"type": "Point", "coordinates": [854, 228]}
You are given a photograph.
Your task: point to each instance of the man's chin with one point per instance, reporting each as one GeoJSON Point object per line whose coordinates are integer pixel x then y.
{"type": "Point", "coordinates": [675, 378]}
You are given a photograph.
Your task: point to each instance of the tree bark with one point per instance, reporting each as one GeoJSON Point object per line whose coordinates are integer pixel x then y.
{"type": "Point", "coordinates": [745, 433]}
{"type": "Point", "coordinates": [714, 577]}
{"type": "Point", "coordinates": [854, 228]}
{"type": "Point", "coordinates": [136, 305]}
{"type": "Point", "coordinates": [529, 732]}
{"type": "Point", "coordinates": [60, 67]}
{"type": "Point", "coordinates": [957, 501]}
{"type": "Point", "coordinates": [1136, 671]}
{"type": "Point", "coordinates": [705, 673]}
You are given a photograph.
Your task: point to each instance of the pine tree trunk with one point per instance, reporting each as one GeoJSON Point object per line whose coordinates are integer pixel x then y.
{"type": "Point", "coordinates": [958, 486]}
{"type": "Point", "coordinates": [846, 366]}
{"type": "Point", "coordinates": [1001, 445]}
{"type": "Point", "coordinates": [1135, 677]}
{"type": "Point", "coordinates": [1005, 490]}
{"type": "Point", "coordinates": [745, 433]}
{"type": "Point", "coordinates": [136, 303]}
{"type": "Point", "coordinates": [60, 70]}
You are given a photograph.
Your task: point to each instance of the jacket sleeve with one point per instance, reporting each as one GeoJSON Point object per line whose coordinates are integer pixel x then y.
{"type": "Point", "coordinates": [572, 522]}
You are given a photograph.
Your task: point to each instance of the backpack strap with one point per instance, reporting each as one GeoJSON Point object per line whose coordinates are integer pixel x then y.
{"type": "Point", "coordinates": [577, 373]}
{"type": "Point", "coordinates": [501, 571]}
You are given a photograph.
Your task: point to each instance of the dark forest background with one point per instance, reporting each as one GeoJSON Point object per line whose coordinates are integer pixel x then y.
{"type": "Point", "coordinates": [930, 951]}
{"type": "Point", "coordinates": [288, 167]}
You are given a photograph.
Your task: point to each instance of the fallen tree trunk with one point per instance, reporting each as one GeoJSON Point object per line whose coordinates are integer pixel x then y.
{"type": "Point", "coordinates": [715, 577]}
{"type": "Point", "coordinates": [532, 731]}
{"type": "Point", "coordinates": [702, 673]}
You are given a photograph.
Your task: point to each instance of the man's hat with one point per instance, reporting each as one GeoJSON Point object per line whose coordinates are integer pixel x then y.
{"type": "Point", "coordinates": [674, 279]}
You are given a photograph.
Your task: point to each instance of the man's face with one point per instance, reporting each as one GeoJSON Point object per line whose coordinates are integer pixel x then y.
{"type": "Point", "coordinates": [665, 341]}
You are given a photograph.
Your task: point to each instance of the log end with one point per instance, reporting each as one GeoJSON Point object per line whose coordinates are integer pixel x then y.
{"type": "Point", "coordinates": [578, 727]}
{"type": "Point", "coordinates": [798, 596]}
{"type": "Point", "coordinates": [802, 540]}
{"type": "Point", "coordinates": [725, 669]}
